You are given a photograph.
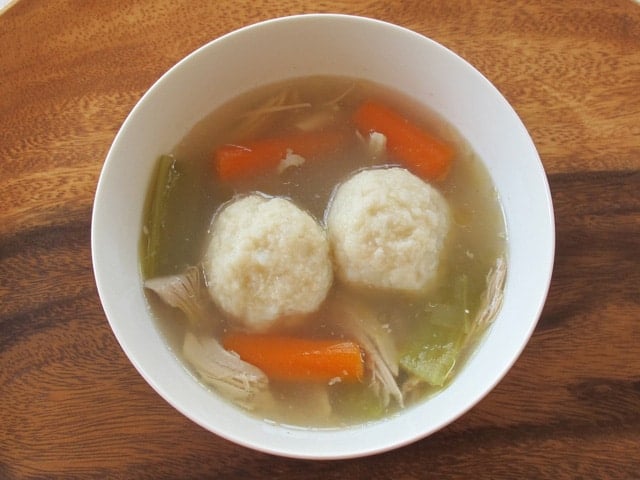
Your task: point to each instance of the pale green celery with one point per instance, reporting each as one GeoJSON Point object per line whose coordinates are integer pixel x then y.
{"type": "Point", "coordinates": [432, 355]}
{"type": "Point", "coordinates": [164, 182]}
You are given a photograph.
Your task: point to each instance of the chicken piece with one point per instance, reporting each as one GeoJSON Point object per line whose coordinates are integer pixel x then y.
{"type": "Point", "coordinates": [236, 379]}
{"type": "Point", "coordinates": [183, 291]}
{"type": "Point", "coordinates": [381, 357]}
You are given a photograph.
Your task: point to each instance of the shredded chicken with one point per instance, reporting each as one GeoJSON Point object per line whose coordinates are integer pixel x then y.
{"type": "Point", "coordinates": [377, 144]}
{"type": "Point", "coordinates": [290, 160]}
{"type": "Point", "coordinates": [183, 291]}
{"type": "Point", "coordinates": [411, 387]}
{"type": "Point", "coordinates": [254, 120]}
{"type": "Point", "coordinates": [491, 298]}
{"type": "Point", "coordinates": [225, 371]}
{"type": "Point", "coordinates": [381, 357]}
{"type": "Point", "coordinates": [334, 101]}
{"type": "Point", "coordinates": [274, 109]}
{"type": "Point", "coordinates": [315, 120]}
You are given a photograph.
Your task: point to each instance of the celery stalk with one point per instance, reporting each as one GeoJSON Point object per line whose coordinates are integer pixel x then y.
{"type": "Point", "coordinates": [431, 355]}
{"type": "Point", "coordinates": [164, 181]}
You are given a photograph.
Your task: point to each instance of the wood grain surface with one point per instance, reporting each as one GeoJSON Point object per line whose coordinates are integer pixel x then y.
{"type": "Point", "coordinates": [73, 407]}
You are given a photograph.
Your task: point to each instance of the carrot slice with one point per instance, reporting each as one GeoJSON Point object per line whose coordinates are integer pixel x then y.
{"type": "Point", "coordinates": [297, 359]}
{"type": "Point", "coordinates": [234, 162]}
{"type": "Point", "coordinates": [418, 150]}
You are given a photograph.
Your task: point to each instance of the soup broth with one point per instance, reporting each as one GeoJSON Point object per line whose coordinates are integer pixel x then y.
{"type": "Point", "coordinates": [428, 335]}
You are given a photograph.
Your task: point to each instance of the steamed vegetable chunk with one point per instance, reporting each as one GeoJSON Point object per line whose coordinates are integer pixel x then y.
{"type": "Point", "coordinates": [177, 202]}
{"type": "Point", "coordinates": [299, 359]}
{"type": "Point", "coordinates": [415, 148]}
{"type": "Point", "coordinates": [432, 356]}
{"type": "Point", "coordinates": [323, 252]}
{"type": "Point", "coordinates": [166, 176]}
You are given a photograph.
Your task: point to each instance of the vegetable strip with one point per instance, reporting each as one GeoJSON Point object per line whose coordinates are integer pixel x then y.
{"type": "Point", "coordinates": [419, 151]}
{"type": "Point", "coordinates": [233, 162]}
{"type": "Point", "coordinates": [296, 359]}
{"type": "Point", "coordinates": [165, 178]}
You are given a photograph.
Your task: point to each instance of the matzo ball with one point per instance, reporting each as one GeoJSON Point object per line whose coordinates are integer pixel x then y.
{"type": "Point", "coordinates": [387, 229]}
{"type": "Point", "coordinates": [267, 259]}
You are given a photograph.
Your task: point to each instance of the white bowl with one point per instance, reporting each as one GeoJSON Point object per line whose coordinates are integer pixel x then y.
{"type": "Point", "coordinates": [298, 46]}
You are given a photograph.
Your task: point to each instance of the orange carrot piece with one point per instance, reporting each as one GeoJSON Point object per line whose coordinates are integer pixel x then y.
{"type": "Point", "coordinates": [234, 162]}
{"type": "Point", "coordinates": [297, 359]}
{"type": "Point", "coordinates": [419, 151]}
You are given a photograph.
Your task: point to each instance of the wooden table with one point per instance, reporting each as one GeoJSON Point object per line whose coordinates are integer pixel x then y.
{"type": "Point", "coordinates": [72, 406]}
